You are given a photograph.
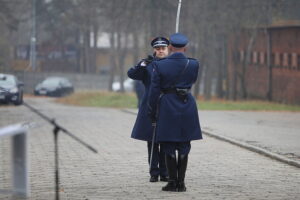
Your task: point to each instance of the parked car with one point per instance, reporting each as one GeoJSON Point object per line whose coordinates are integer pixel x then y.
{"type": "Point", "coordinates": [11, 89]}
{"type": "Point", "coordinates": [54, 87]}
{"type": "Point", "coordinates": [128, 85]}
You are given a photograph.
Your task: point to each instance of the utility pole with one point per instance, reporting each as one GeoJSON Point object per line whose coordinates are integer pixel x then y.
{"type": "Point", "coordinates": [178, 16]}
{"type": "Point", "coordinates": [33, 37]}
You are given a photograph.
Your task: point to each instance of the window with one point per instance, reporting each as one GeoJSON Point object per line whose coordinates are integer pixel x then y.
{"type": "Point", "coordinates": [277, 59]}
{"type": "Point", "coordinates": [261, 58]}
{"type": "Point", "coordinates": [294, 63]}
{"type": "Point", "coordinates": [285, 62]}
{"type": "Point", "coordinates": [254, 59]}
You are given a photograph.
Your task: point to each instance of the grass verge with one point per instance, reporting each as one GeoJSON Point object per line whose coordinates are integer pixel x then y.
{"type": "Point", "coordinates": [128, 100]}
{"type": "Point", "coordinates": [246, 105]}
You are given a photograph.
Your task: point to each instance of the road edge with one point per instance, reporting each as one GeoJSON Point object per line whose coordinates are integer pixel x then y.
{"type": "Point", "coordinates": [243, 145]}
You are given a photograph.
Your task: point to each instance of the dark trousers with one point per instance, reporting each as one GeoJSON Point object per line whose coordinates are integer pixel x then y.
{"type": "Point", "coordinates": [170, 148]}
{"type": "Point", "coordinates": [158, 166]}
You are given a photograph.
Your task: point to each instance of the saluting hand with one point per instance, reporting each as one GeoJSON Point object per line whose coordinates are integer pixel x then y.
{"type": "Point", "coordinates": [147, 60]}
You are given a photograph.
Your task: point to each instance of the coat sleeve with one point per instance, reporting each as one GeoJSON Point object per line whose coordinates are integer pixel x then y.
{"type": "Point", "coordinates": [137, 72]}
{"type": "Point", "coordinates": [154, 93]}
{"type": "Point", "coordinates": [198, 72]}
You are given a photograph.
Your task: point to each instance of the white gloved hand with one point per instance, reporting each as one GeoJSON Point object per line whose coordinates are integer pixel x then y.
{"type": "Point", "coordinates": [143, 64]}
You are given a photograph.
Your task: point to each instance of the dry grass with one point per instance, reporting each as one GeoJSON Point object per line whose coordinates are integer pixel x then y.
{"type": "Point", "coordinates": [128, 100]}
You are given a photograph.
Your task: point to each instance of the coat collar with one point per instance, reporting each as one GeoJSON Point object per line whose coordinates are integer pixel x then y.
{"type": "Point", "coordinates": [177, 55]}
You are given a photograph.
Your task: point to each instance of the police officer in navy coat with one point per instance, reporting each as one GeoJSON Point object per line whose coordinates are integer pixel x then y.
{"type": "Point", "coordinates": [139, 90]}
{"type": "Point", "coordinates": [174, 108]}
{"type": "Point", "coordinates": [143, 129]}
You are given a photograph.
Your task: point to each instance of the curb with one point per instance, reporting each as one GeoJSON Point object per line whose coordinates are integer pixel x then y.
{"type": "Point", "coordinates": [255, 149]}
{"type": "Point", "coordinates": [244, 145]}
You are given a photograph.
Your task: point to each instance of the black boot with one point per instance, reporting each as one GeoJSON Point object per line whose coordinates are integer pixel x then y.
{"type": "Point", "coordinates": [171, 165]}
{"type": "Point", "coordinates": [164, 178]}
{"type": "Point", "coordinates": [182, 165]}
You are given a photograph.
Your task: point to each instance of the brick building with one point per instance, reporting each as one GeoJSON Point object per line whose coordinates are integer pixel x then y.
{"type": "Point", "coordinates": [265, 63]}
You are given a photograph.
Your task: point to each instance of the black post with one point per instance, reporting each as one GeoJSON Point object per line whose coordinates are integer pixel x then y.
{"type": "Point", "coordinates": [55, 132]}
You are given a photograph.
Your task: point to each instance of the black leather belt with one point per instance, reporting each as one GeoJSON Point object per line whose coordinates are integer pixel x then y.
{"type": "Point", "coordinates": [169, 91]}
{"type": "Point", "coordinates": [173, 90]}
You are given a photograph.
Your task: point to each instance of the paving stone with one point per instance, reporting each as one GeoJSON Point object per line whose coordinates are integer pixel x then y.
{"type": "Point", "coordinates": [216, 169]}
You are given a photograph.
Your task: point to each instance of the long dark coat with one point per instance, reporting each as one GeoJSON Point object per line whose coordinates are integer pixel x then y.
{"type": "Point", "coordinates": [142, 129]}
{"type": "Point", "coordinates": [176, 121]}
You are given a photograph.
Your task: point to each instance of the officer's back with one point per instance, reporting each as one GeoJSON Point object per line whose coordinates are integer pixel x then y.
{"type": "Point", "coordinates": [170, 101]}
{"type": "Point", "coordinates": [171, 71]}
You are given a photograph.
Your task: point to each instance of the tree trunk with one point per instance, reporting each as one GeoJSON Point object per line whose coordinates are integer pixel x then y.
{"type": "Point", "coordinates": [78, 52]}
{"type": "Point", "coordinates": [94, 54]}
{"type": "Point", "coordinates": [196, 53]}
{"type": "Point", "coordinates": [245, 65]}
{"type": "Point", "coordinates": [235, 75]}
{"type": "Point", "coordinates": [269, 64]}
{"type": "Point", "coordinates": [136, 50]}
{"type": "Point", "coordinates": [219, 87]}
{"type": "Point", "coordinates": [87, 41]}
{"type": "Point", "coordinates": [208, 82]}
{"type": "Point", "coordinates": [122, 50]}
{"type": "Point", "coordinates": [235, 63]}
{"type": "Point", "coordinates": [112, 61]}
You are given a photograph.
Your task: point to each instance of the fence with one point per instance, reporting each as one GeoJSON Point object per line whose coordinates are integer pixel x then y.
{"type": "Point", "coordinates": [19, 159]}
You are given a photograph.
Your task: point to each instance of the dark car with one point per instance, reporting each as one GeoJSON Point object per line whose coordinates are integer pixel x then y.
{"type": "Point", "coordinates": [54, 87]}
{"type": "Point", "coordinates": [11, 89]}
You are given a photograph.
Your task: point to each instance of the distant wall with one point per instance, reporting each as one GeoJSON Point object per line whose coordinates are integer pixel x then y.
{"type": "Point", "coordinates": [80, 81]}
{"type": "Point", "coordinates": [285, 61]}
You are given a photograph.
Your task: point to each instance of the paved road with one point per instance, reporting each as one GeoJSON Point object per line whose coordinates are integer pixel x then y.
{"type": "Point", "coordinates": [278, 132]}
{"type": "Point", "coordinates": [216, 170]}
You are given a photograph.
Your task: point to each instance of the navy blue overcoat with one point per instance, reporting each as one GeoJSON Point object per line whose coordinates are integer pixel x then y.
{"type": "Point", "coordinates": [142, 129]}
{"type": "Point", "coordinates": [176, 121]}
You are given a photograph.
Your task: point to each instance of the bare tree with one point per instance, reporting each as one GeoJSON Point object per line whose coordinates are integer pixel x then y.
{"type": "Point", "coordinates": [12, 14]}
{"type": "Point", "coordinates": [210, 25]}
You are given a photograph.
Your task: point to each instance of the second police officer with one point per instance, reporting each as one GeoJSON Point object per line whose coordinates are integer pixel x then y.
{"type": "Point", "coordinates": [174, 108]}
{"type": "Point", "coordinates": [143, 129]}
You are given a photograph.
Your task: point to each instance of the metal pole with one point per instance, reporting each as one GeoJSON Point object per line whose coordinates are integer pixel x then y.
{"type": "Point", "coordinates": [33, 37]}
{"type": "Point", "coordinates": [55, 131]}
{"type": "Point", "coordinates": [178, 16]}
{"type": "Point", "coordinates": [152, 145]}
